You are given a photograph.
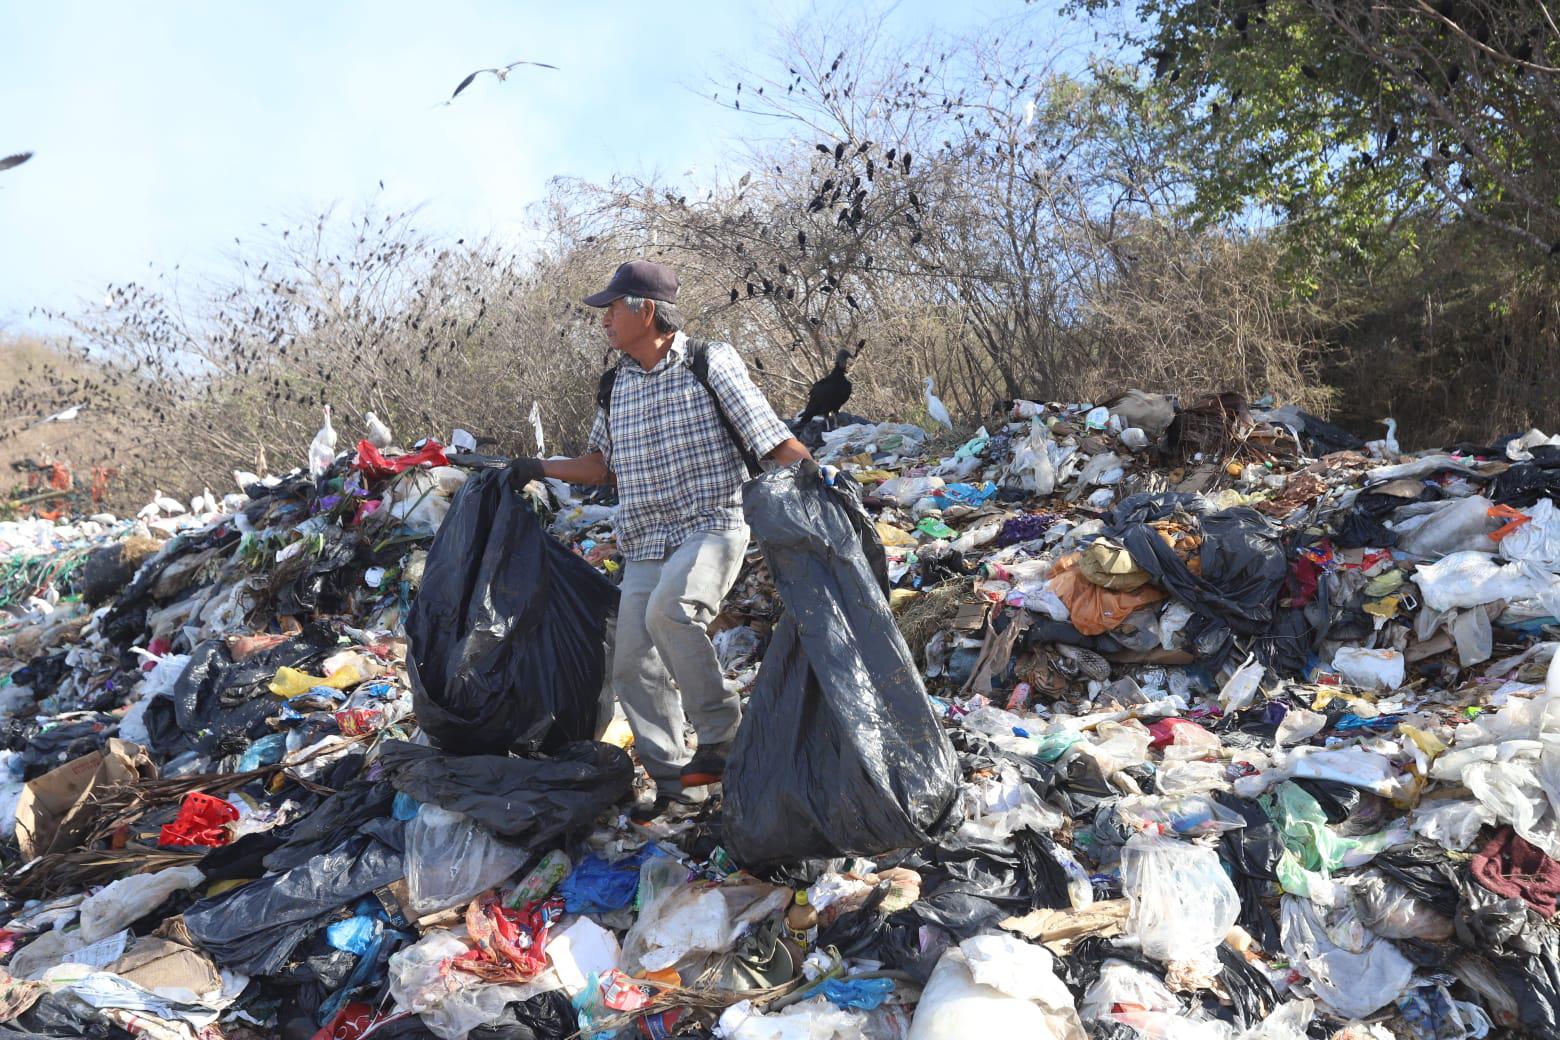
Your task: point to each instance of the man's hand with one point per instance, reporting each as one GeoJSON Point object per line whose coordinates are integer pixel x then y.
{"type": "Point", "coordinates": [522, 471]}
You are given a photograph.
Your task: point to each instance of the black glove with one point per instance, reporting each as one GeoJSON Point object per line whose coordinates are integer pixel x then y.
{"type": "Point", "coordinates": [522, 471]}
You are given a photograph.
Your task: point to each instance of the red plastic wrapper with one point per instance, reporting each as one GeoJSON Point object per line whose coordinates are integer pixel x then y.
{"type": "Point", "coordinates": [202, 820]}
{"type": "Point", "coordinates": [1164, 731]}
{"type": "Point", "coordinates": [355, 722]}
{"type": "Point", "coordinates": [371, 461]}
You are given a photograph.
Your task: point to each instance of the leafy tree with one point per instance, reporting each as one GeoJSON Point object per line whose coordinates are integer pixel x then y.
{"type": "Point", "coordinates": [1354, 122]}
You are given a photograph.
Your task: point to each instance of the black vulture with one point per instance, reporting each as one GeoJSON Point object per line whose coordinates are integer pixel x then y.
{"type": "Point", "coordinates": [829, 394]}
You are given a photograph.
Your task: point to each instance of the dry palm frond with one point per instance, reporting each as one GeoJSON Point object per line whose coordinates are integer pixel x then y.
{"type": "Point", "coordinates": [125, 803]}
{"type": "Point", "coordinates": [61, 872]}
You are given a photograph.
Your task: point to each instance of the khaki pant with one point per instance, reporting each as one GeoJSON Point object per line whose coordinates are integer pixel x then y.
{"type": "Point", "coordinates": [666, 605]}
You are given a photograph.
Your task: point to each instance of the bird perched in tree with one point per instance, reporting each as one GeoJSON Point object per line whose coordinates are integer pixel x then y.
{"type": "Point", "coordinates": [1387, 447]}
{"type": "Point", "coordinates": [500, 73]}
{"type": "Point", "coordinates": [378, 432]}
{"type": "Point", "coordinates": [322, 450]}
{"type": "Point", "coordinates": [829, 394]}
{"type": "Point", "coordinates": [935, 408]}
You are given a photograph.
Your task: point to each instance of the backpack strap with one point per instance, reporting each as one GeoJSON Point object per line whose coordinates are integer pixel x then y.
{"type": "Point", "coordinates": [698, 361]}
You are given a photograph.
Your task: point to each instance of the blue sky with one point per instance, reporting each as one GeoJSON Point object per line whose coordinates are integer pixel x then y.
{"type": "Point", "coordinates": [164, 131]}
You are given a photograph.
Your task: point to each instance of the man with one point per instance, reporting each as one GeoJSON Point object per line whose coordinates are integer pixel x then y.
{"type": "Point", "coordinates": [662, 440]}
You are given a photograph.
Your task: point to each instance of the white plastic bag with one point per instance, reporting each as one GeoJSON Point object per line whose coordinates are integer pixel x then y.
{"type": "Point", "coordinates": [451, 859]}
{"type": "Point", "coordinates": [1300, 724]}
{"type": "Point", "coordinates": [1369, 669]}
{"type": "Point", "coordinates": [129, 899]}
{"type": "Point", "coordinates": [1242, 686]}
{"type": "Point", "coordinates": [815, 1019]}
{"type": "Point", "coordinates": [1472, 579]}
{"type": "Point", "coordinates": [1461, 525]}
{"type": "Point", "coordinates": [1122, 983]}
{"type": "Point", "coordinates": [1182, 901]}
{"type": "Point", "coordinates": [1537, 541]}
{"type": "Point", "coordinates": [1354, 983]}
{"type": "Point", "coordinates": [955, 1005]}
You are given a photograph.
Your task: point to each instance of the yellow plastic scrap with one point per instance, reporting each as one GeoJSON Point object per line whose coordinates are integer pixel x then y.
{"type": "Point", "coordinates": [290, 682]}
{"type": "Point", "coordinates": [888, 534]}
{"type": "Point", "coordinates": [899, 597]}
{"type": "Point", "coordinates": [618, 734]}
{"type": "Point", "coordinates": [872, 475]}
{"type": "Point", "coordinates": [1429, 743]}
{"type": "Point", "coordinates": [1386, 607]}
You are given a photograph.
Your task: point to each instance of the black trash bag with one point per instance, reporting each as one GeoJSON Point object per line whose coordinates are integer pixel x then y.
{"type": "Point", "coordinates": [220, 706]}
{"type": "Point", "coordinates": [546, 1016]}
{"type": "Point", "coordinates": [332, 823]}
{"type": "Point", "coordinates": [1534, 983]}
{"type": "Point", "coordinates": [105, 573]}
{"type": "Point", "coordinates": [1338, 800]}
{"type": "Point", "coordinates": [60, 1015]}
{"type": "Point", "coordinates": [508, 631]}
{"type": "Point", "coordinates": [254, 929]}
{"type": "Point", "coordinates": [529, 800]}
{"type": "Point", "coordinates": [1426, 873]}
{"type": "Point", "coordinates": [839, 752]}
{"type": "Point", "coordinates": [1243, 561]}
{"type": "Point", "coordinates": [1251, 853]}
{"type": "Point", "coordinates": [1248, 986]}
{"type": "Point", "coordinates": [962, 915]}
{"type": "Point", "coordinates": [1043, 874]}
{"type": "Point", "coordinates": [1525, 483]}
{"type": "Point", "coordinates": [315, 582]}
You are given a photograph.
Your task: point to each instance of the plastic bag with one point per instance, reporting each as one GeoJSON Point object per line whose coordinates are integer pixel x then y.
{"type": "Point", "coordinates": [507, 634]}
{"type": "Point", "coordinates": [450, 859]}
{"type": "Point", "coordinates": [815, 1019]}
{"type": "Point", "coordinates": [981, 989]}
{"type": "Point", "coordinates": [1461, 525]}
{"type": "Point", "coordinates": [1390, 911]}
{"type": "Point", "coordinates": [1472, 579]}
{"type": "Point", "coordinates": [1354, 982]}
{"type": "Point", "coordinates": [1242, 686]}
{"type": "Point", "coordinates": [691, 919]}
{"type": "Point", "coordinates": [1537, 541]}
{"type": "Point", "coordinates": [839, 751]}
{"type": "Point", "coordinates": [1183, 903]}
{"type": "Point", "coordinates": [1369, 669]}
{"type": "Point", "coordinates": [129, 899]}
{"type": "Point", "coordinates": [1122, 983]}
{"type": "Point", "coordinates": [526, 799]}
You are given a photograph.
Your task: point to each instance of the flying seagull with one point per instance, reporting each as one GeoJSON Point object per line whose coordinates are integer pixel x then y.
{"type": "Point", "coordinates": [501, 73]}
{"type": "Point", "coordinates": [15, 160]}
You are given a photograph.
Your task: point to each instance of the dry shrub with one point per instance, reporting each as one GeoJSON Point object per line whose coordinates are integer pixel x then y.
{"type": "Point", "coordinates": [1203, 313]}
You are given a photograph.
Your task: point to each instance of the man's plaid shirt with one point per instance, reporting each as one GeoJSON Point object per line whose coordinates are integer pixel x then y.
{"type": "Point", "coordinates": [677, 470]}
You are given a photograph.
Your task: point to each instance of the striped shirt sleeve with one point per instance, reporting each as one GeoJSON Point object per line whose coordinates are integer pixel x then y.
{"type": "Point", "coordinates": [744, 403]}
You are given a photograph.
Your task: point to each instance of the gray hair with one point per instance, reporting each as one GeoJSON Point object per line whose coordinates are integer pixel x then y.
{"type": "Point", "coordinates": [667, 318]}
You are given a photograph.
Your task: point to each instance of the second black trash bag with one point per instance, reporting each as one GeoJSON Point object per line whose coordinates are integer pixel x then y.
{"type": "Point", "coordinates": [508, 630]}
{"type": "Point", "coordinates": [839, 752]}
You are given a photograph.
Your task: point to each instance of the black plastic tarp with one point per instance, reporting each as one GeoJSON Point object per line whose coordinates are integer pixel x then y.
{"type": "Point", "coordinates": [255, 928]}
{"type": "Point", "coordinates": [508, 631]}
{"type": "Point", "coordinates": [219, 706]}
{"type": "Point", "coordinates": [840, 752]}
{"type": "Point", "coordinates": [531, 799]}
{"type": "Point", "coordinates": [1242, 558]}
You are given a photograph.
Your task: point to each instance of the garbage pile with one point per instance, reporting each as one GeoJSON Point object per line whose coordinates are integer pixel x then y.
{"type": "Point", "coordinates": [1123, 720]}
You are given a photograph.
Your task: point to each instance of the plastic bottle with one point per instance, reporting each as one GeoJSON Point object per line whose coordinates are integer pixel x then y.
{"type": "Point", "coordinates": [801, 920]}
{"type": "Point", "coordinates": [542, 879]}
